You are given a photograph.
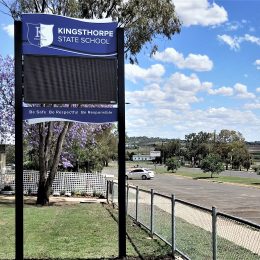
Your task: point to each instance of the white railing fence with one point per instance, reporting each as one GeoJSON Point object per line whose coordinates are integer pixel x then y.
{"type": "Point", "coordinates": [88, 183]}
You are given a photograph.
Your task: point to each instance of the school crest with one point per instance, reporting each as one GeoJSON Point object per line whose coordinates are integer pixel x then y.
{"type": "Point", "coordinates": [40, 35]}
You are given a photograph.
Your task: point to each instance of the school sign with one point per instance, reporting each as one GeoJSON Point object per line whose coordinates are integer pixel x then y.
{"type": "Point", "coordinates": [46, 34]}
{"type": "Point", "coordinates": [67, 61]}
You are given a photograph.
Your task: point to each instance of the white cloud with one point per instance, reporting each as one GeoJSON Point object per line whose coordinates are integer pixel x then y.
{"type": "Point", "coordinates": [150, 94]}
{"type": "Point", "coordinates": [225, 91]}
{"type": "Point", "coordinates": [238, 90]}
{"type": "Point", "coordinates": [168, 123]}
{"type": "Point", "coordinates": [252, 106]}
{"type": "Point", "coordinates": [200, 12]}
{"type": "Point", "coordinates": [257, 64]}
{"type": "Point", "coordinates": [169, 55]}
{"type": "Point", "coordinates": [251, 38]}
{"type": "Point", "coordinates": [234, 42]}
{"type": "Point", "coordinates": [9, 29]}
{"type": "Point", "coordinates": [152, 74]}
{"type": "Point", "coordinates": [196, 62]}
{"type": "Point", "coordinates": [179, 91]}
{"type": "Point", "coordinates": [257, 89]}
{"type": "Point", "coordinates": [233, 26]}
{"type": "Point", "coordinates": [182, 83]}
{"type": "Point", "coordinates": [241, 91]}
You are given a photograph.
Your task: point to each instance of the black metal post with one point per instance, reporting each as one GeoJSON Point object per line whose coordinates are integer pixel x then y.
{"type": "Point", "coordinates": [214, 233]}
{"type": "Point", "coordinates": [18, 142]}
{"type": "Point", "coordinates": [121, 145]}
{"type": "Point", "coordinates": [152, 213]}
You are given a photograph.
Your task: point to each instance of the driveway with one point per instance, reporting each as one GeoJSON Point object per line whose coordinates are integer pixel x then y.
{"type": "Point", "coordinates": [239, 201]}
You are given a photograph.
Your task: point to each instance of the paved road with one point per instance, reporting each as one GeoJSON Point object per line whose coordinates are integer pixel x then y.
{"type": "Point", "coordinates": [236, 200]}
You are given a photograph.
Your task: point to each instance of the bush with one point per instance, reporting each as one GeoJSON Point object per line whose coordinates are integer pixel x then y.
{"type": "Point", "coordinates": [256, 168]}
{"type": "Point", "coordinates": [172, 164]}
{"type": "Point", "coordinates": [7, 188]}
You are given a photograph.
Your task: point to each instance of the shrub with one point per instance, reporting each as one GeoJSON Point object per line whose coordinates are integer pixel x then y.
{"type": "Point", "coordinates": [7, 188]}
{"type": "Point", "coordinates": [172, 164]}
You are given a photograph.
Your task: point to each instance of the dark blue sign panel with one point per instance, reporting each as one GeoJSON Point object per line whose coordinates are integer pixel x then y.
{"type": "Point", "coordinates": [81, 115]}
{"type": "Point", "coordinates": [46, 34]}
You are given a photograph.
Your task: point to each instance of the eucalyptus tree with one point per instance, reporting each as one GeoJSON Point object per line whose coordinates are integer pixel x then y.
{"type": "Point", "coordinates": [198, 146]}
{"type": "Point", "coordinates": [212, 163]}
{"type": "Point", "coordinates": [230, 145]}
{"type": "Point", "coordinates": [143, 22]}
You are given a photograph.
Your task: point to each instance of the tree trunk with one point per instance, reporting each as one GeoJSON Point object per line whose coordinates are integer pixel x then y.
{"type": "Point", "coordinates": [45, 183]}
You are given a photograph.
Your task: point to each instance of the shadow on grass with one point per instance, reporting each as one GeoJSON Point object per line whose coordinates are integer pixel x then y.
{"type": "Point", "coordinates": [116, 258]}
{"type": "Point", "coordinates": [204, 178]}
{"type": "Point", "coordinates": [141, 252]}
{"type": "Point", "coordinates": [255, 183]}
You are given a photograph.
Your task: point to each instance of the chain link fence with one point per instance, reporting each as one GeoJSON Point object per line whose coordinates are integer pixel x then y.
{"type": "Point", "coordinates": [192, 231]}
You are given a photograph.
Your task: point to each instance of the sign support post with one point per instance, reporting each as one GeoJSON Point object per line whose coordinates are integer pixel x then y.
{"type": "Point", "coordinates": [19, 229]}
{"type": "Point", "coordinates": [121, 145]}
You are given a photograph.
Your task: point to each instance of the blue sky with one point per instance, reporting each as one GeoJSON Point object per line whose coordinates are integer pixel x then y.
{"type": "Point", "coordinates": [206, 78]}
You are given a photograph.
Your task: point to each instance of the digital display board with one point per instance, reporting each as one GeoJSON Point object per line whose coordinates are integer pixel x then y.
{"type": "Point", "coordinates": [69, 80]}
{"type": "Point", "coordinates": [69, 60]}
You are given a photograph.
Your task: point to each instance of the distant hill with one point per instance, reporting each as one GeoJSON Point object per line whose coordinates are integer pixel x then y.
{"type": "Point", "coordinates": [145, 141]}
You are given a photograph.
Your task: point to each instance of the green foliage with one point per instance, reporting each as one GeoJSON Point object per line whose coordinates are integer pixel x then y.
{"type": "Point", "coordinates": [247, 164]}
{"type": "Point", "coordinates": [7, 188]}
{"type": "Point", "coordinates": [256, 168]}
{"type": "Point", "coordinates": [173, 164]}
{"type": "Point", "coordinates": [96, 153]}
{"type": "Point", "coordinates": [169, 149]}
{"type": "Point", "coordinates": [212, 163]}
{"type": "Point", "coordinates": [240, 155]}
{"type": "Point", "coordinates": [198, 146]}
{"type": "Point", "coordinates": [129, 155]}
{"type": "Point", "coordinates": [30, 165]}
{"type": "Point", "coordinates": [10, 154]}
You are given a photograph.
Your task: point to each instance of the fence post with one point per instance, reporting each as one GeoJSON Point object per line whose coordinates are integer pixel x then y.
{"type": "Point", "coordinates": [107, 192]}
{"type": "Point", "coordinates": [127, 197]}
{"type": "Point", "coordinates": [136, 203]}
{"type": "Point", "coordinates": [173, 226]}
{"type": "Point", "coordinates": [214, 233]}
{"type": "Point", "coordinates": [152, 212]}
{"type": "Point", "coordinates": [113, 193]}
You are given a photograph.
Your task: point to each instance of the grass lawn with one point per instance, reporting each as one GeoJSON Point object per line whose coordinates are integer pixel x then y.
{"type": "Point", "coordinates": [72, 232]}
{"type": "Point", "coordinates": [206, 176]}
{"type": "Point", "coordinates": [195, 242]}
{"type": "Point", "coordinates": [219, 178]}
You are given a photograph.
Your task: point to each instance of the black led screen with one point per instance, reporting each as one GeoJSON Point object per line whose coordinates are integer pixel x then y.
{"type": "Point", "coordinates": [69, 80]}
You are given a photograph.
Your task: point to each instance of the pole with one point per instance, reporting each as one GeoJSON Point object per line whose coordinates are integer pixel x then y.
{"type": "Point", "coordinates": [214, 233]}
{"type": "Point", "coordinates": [152, 213]}
{"type": "Point", "coordinates": [121, 144]}
{"type": "Point", "coordinates": [136, 203]}
{"type": "Point", "coordinates": [173, 226]}
{"type": "Point", "coordinates": [18, 142]}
